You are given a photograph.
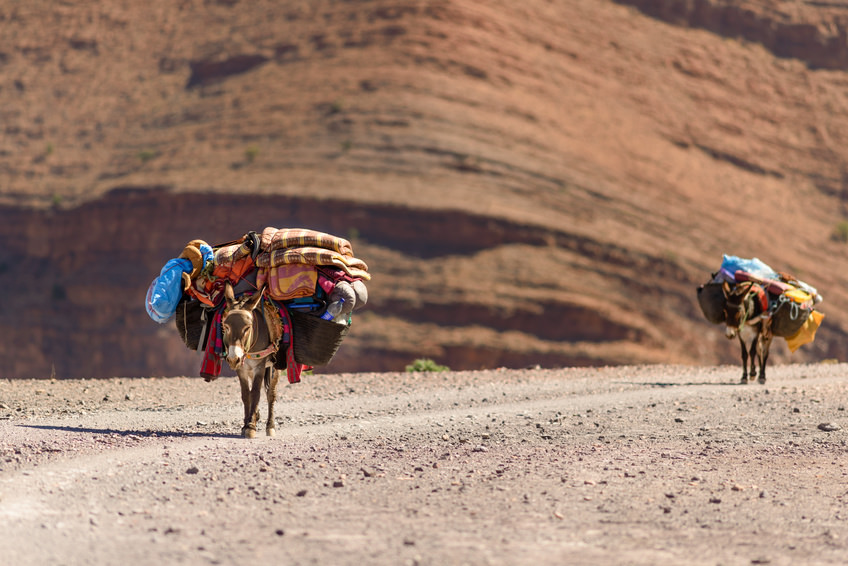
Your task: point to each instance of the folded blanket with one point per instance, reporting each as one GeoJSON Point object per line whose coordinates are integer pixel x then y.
{"type": "Point", "coordinates": [274, 239]}
{"type": "Point", "coordinates": [314, 256]}
{"type": "Point", "coordinates": [288, 281]}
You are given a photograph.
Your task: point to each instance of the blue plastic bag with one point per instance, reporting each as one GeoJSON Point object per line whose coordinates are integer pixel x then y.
{"type": "Point", "coordinates": [755, 266]}
{"type": "Point", "coordinates": [166, 290]}
{"type": "Point", "coordinates": [207, 252]}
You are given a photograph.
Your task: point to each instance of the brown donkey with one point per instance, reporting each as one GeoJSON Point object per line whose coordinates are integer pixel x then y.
{"type": "Point", "coordinates": [746, 305]}
{"type": "Point", "coordinates": [250, 350]}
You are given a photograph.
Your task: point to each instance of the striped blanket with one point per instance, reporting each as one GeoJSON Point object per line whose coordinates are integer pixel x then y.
{"type": "Point", "coordinates": [314, 256]}
{"type": "Point", "coordinates": [274, 239]}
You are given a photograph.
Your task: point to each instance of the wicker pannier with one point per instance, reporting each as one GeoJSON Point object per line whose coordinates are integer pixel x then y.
{"type": "Point", "coordinates": [788, 318]}
{"type": "Point", "coordinates": [711, 298]}
{"type": "Point", "coordinates": [189, 321]}
{"type": "Point", "coordinates": [315, 340]}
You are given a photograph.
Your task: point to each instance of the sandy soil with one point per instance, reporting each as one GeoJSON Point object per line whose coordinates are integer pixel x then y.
{"type": "Point", "coordinates": [626, 465]}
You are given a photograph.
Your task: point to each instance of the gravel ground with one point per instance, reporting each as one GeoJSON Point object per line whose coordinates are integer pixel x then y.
{"type": "Point", "coordinates": [623, 465]}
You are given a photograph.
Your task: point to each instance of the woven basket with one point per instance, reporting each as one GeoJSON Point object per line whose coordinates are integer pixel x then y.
{"type": "Point", "coordinates": [316, 340]}
{"type": "Point", "coordinates": [788, 318]}
{"type": "Point", "coordinates": [189, 322]}
{"type": "Point", "coordinates": [711, 298]}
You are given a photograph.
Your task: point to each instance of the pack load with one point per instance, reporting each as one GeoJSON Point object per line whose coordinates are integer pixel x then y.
{"type": "Point", "coordinates": [312, 284]}
{"type": "Point", "coordinates": [791, 303]}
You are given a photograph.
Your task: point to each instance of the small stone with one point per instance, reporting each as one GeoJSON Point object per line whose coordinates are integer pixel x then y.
{"type": "Point", "coordinates": [829, 427]}
{"type": "Point", "coordinates": [279, 532]}
{"type": "Point", "coordinates": [192, 470]}
{"type": "Point", "coordinates": [678, 420]}
{"type": "Point", "coordinates": [338, 483]}
{"type": "Point", "coordinates": [715, 500]}
{"type": "Point", "coordinates": [301, 493]}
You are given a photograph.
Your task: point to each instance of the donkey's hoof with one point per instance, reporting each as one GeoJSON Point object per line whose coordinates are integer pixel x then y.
{"type": "Point", "coordinates": [270, 432]}
{"type": "Point", "coordinates": [744, 379]}
{"type": "Point", "coordinates": [762, 380]}
{"type": "Point", "coordinates": [248, 432]}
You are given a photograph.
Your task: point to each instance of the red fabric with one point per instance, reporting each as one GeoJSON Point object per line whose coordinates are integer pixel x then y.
{"type": "Point", "coordinates": [293, 368]}
{"type": "Point", "coordinates": [210, 367]}
{"type": "Point", "coordinates": [762, 297]}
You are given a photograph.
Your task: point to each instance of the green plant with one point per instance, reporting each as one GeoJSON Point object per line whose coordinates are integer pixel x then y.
{"type": "Point", "coordinates": [347, 145]}
{"type": "Point", "coordinates": [425, 364]}
{"type": "Point", "coordinates": [146, 155]}
{"type": "Point", "coordinates": [251, 153]}
{"type": "Point", "coordinates": [840, 232]}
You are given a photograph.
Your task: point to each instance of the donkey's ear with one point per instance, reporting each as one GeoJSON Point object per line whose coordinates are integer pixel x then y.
{"type": "Point", "coordinates": [253, 300]}
{"type": "Point", "coordinates": [725, 288]}
{"type": "Point", "coordinates": [229, 295]}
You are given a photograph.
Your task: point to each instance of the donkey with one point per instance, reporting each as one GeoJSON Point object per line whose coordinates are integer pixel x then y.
{"type": "Point", "coordinates": [250, 350]}
{"type": "Point", "coordinates": [746, 304]}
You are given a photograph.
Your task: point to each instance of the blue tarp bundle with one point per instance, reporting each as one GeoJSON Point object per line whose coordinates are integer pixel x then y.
{"type": "Point", "coordinates": [166, 290]}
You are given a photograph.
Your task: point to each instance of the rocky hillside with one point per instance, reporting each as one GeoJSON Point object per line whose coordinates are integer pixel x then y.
{"type": "Point", "coordinates": [530, 183]}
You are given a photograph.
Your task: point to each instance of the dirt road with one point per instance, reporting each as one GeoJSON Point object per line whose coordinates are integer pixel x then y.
{"type": "Point", "coordinates": [627, 465]}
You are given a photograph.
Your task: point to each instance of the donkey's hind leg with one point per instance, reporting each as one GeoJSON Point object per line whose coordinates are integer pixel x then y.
{"type": "Point", "coordinates": [272, 376]}
{"type": "Point", "coordinates": [753, 355]}
{"type": "Point", "coordinates": [765, 344]}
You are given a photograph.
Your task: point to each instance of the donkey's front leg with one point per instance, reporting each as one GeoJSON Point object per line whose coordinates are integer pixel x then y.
{"type": "Point", "coordinates": [272, 376]}
{"type": "Point", "coordinates": [251, 389]}
{"type": "Point", "coordinates": [744, 358]}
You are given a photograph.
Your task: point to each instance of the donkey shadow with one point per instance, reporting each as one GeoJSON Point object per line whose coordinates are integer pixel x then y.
{"type": "Point", "coordinates": [665, 384]}
{"type": "Point", "coordinates": [139, 433]}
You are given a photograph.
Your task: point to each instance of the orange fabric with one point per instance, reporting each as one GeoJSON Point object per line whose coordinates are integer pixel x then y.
{"type": "Point", "coordinates": [233, 271]}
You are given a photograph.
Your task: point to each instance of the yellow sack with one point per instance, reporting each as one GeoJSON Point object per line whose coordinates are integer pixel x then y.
{"type": "Point", "coordinates": [798, 295]}
{"type": "Point", "coordinates": [807, 332]}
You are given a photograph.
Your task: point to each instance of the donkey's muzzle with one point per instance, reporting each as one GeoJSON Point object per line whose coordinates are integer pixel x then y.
{"type": "Point", "coordinates": [235, 356]}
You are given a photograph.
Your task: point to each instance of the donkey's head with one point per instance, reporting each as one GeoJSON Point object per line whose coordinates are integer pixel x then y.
{"type": "Point", "coordinates": [738, 306]}
{"type": "Point", "coordinates": [238, 326]}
